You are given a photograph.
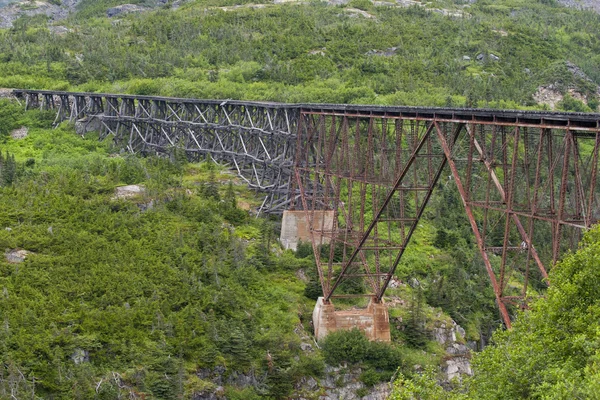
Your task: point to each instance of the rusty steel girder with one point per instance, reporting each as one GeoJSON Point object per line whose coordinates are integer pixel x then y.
{"type": "Point", "coordinates": [527, 179]}
{"type": "Point", "coordinates": [528, 186]}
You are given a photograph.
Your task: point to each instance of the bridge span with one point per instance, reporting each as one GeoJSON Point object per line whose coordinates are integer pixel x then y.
{"type": "Point", "coordinates": [363, 175]}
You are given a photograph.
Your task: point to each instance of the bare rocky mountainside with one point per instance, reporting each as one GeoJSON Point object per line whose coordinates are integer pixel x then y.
{"type": "Point", "coordinates": [56, 10]}
{"type": "Point", "coordinates": [584, 4]}
{"type": "Point", "coordinates": [10, 10]}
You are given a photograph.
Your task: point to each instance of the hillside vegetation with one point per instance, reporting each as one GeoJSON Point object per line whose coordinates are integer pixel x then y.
{"type": "Point", "coordinates": [493, 54]}
{"type": "Point", "coordinates": [177, 292]}
{"type": "Point", "coordinates": [172, 292]}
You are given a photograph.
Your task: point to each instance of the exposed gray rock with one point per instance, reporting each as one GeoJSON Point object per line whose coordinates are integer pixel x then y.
{"type": "Point", "coordinates": [14, 10]}
{"type": "Point", "coordinates": [242, 380]}
{"type": "Point", "coordinates": [343, 383]}
{"type": "Point", "coordinates": [301, 274]}
{"type": "Point", "coordinates": [124, 9]}
{"type": "Point", "coordinates": [86, 125]}
{"type": "Point", "coordinates": [466, 58]}
{"type": "Point", "coordinates": [215, 375]}
{"type": "Point", "coordinates": [582, 4]}
{"type": "Point", "coordinates": [317, 52]}
{"type": "Point", "coordinates": [457, 367]}
{"type": "Point", "coordinates": [20, 133]}
{"type": "Point", "coordinates": [458, 355]}
{"type": "Point", "coordinates": [306, 347]}
{"type": "Point", "coordinates": [383, 53]}
{"type": "Point", "coordinates": [59, 30]}
{"type": "Point", "coordinates": [80, 356]}
{"type": "Point", "coordinates": [383, 4]}
{"type": "Point", "coordinates": [6, 93]}
{"type": "Point", "coordinates": [129, 191]}
{"type": "Point", "coordinates": [16, 256]}
{"type": "Point", "coordinates": [307, 383]}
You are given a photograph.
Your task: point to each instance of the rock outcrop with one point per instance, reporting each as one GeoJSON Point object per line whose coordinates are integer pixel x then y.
{"type": "Point", "coordinates": [20, 133]}
{"type": "Point", "coordinates": [124, 9]}
{"type": "Point", "coordinates": [458, 355]}
{"type": "Point", "coordinates": [17, 256]}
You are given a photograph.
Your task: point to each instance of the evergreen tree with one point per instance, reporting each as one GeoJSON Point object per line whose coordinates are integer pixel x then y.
{"type": "Point", "coordinates": [9, 170]}
{"type": "Point", "coordinates": [211, 188]}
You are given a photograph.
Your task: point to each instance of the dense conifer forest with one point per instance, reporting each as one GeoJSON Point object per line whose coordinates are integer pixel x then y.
{"type": "Point", "coordinates": [179, 291]}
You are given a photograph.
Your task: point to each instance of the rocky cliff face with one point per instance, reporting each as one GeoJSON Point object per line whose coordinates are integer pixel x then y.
{"type": "Point", "coordinates": [458, 354]}
{"type": "Point", "coordinates": [338, 383]}
{"type": "Point", "coordinates": [13, 10]}
{"type": "Point", "coordinates": [582, 4]}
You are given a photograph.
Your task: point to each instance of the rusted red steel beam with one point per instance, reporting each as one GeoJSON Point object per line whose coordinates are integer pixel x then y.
{"type": "Point", "coordinates": [474, 227]}
{"type": "Point", "coordinates": [510, 158]}
{"type": "Point", "coordinates": [508, 209]}
{"type": "Point", "coordinates": [388, 198]}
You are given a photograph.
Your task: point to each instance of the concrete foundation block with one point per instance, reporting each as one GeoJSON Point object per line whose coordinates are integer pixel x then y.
{"type": "Point", "coordinates": [295, 227]}
{"type": "Point", "coordinates": [374, 321]}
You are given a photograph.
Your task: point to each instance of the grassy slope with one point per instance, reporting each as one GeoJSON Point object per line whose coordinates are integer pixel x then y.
{"type": "Point", "coordinates": [313, 52]}
{"type": "Point", "coordinates": [147, 294]}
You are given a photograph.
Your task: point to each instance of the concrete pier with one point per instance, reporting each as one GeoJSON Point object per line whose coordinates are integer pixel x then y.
{"type": "Point", "coordinates": [374, 321]}
{"type": "Point", "coordinates": [295, 227]}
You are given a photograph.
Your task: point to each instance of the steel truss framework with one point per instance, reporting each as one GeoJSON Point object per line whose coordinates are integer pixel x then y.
{"type": "Point", "coordinates": [528, 184]}
{"type": "Point", "coordinates": [527, 180]}
{"type": "Point", "coordinates": [256, 140]}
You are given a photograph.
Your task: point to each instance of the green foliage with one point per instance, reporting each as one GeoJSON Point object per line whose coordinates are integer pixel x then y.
{"type": "Point", "coordinates": [8, 169]}
{"type": "Point", "coordinates": [380, 359]}
{"type": "Point", "coordinates": [420, 387]}
{"type": "Point", "coordinates": [552, 350]}
{"type": "Point", "coordinates": [568, 103]}
{"type": "Point", "coordinates": [211, 188]}
{"type": "Point", "coordinates": [144, 296]}
{"type": "Point", "coordinates": [313, 289]}
{"type": "Point", "coordinates": [312, 52]}
{"type": "Point", "coordinates": [304, 249]}
{"type": "Point", "coordinates": [345, 346]}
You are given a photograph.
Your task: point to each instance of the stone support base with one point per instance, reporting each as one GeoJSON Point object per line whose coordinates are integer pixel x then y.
{"type": "Point", "coordinates": [295, 227]}
{"type": "Point", "coordinates": [374, 321]}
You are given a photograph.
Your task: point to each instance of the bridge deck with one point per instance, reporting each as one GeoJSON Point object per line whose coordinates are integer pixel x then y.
{"type": "Point", "coordinates": [549, 119]}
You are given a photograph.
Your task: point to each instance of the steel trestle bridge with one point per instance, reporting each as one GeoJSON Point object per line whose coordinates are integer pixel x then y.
{"type": "Point", "coordinates": [527, 179]}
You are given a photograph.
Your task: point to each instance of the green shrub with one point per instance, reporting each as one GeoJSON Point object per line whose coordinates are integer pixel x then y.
{"type": "Point", "coordinates": [370, 377]}
{"type": "Point", "coordinates": [345, 346]}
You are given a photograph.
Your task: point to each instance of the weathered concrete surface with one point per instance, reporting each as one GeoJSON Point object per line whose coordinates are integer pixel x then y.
{"type": "Point", "coordinates": [374, 321]}
{"type": "Point", "coordinates": [295, 227]}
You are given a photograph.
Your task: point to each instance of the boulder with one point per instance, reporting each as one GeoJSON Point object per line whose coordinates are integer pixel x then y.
{"type": "Point", "coordinates": [16, 256]}
{"type": "Point", "coordinates": [80, 356]}
{"type": "Point", "coordinates": [129, 191]}
{"type": "Point", "coordinates": [20, 133]}
{"type": "Point", "coordinates": [86, 125]}
{"type": "Point", "coordinates": [123, 9]}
